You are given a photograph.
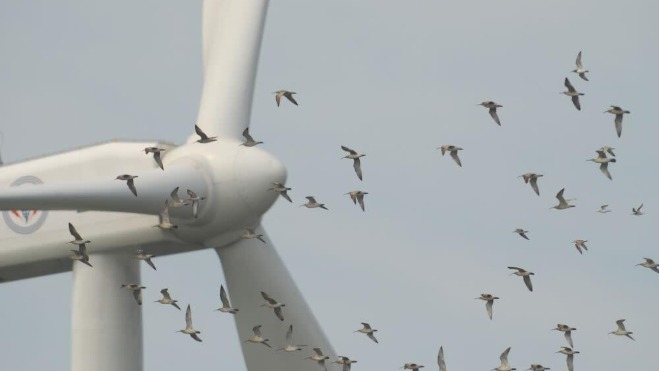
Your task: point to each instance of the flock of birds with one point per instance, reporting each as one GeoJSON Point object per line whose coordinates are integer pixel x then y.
{"type": "Point", "coordinates": [357, 197]}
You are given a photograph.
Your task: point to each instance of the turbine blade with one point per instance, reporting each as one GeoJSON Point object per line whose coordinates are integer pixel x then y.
{"type": "Point", "coordinates": [229, 66]}
{"type": "Point", "coordinates": [249, 268]}
{"type": "Point", "coordinates": [105, 194]}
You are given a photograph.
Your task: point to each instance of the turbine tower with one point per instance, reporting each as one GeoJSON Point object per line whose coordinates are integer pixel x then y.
{"type": "Point", "coordinates": [41, 196]}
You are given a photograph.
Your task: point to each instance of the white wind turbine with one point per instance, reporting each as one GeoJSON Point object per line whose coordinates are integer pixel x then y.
{"type": "Point", "coordinates": [106, 322]}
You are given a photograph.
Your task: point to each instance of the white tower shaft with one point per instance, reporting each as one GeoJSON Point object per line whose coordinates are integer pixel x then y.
{"type": "Point", "coordinates": [106, 320]}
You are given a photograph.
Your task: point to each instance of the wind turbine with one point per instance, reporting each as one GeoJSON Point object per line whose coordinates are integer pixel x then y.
{"type": "Point", "coordinates": [39, 197]}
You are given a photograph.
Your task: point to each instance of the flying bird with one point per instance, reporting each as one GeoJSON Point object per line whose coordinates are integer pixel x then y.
{"type": "Point", "coordinates": [188, 325]}
{"type": "Point", "coordinates": [493, 110]}
{"type": "Point", "coordinates": [226, 306]}
{"type": "Point", "coordinates": [203, 138]}
{"type": "Point", "coordinates": [318, 357]}
{"type": "Point", "coordinates": [440, 359]}
{"type": "Point", "coordinates": [281, 189]}
{"type": "Point", "coordinates": [649, 263]}
{"type": "Point", "coordinates": [580, 244]}
{"type": "Point", "coordinates": [525, 275]}
{"type": "Point", "coordinates": [140, 255]}
{"type": "Point", "coordinates": [570, 357]}
{"type": "Point", "coordinates": [637, 211]}
{"type": "Point", "coordinates": [165, 223]}
{"type": "Point", "coordinates": [620, 331]}
{"type": "Point", "coordinates": [250, 234]}
{"type": "Point", "coordinates": [290, 346]}
{"type": "Point", "coordinates": [284, 93]}
{"type": "Point", "coordinates": [604, 162]}
{"type": "Point", "coordinates": [567, 330]}
{"type": "Point", "coordinates": [572, 92]}
{"type": "Point", "coordinates": [580, 70]}
{"type": "Point", "coordinates": [136, 289]}
{"type": "Point", "coordinates": [454, 152]}
{"type": "Point", "coordinates": [166, 299]}
{"type": "Point", "coordinates": [604, 209]}
{"type": "Point", "coordinates": [312, 204]}
{"type": "Point", "coordinates": [273, 304]}
{"type": "Point", "coordinates": [504, 362]}
{"type": "Point", "coordinates": [192, 197]}
{"type": "Point", "coordinates": [354, 156]}
{"type": "Point", "coordinates": [533, 178]}
{"type": "Point", "coordinates": [618, 120]}
{"type": "Point", "coordinates": [346, 362]}
{"type": "Point", "coordinates": [562, 202]}
{"type": "Point", "coordinates": [368, 331]}
{"type": "Point", "coordinates": [521, 232]}
{"type": "Point", "coordinates": [130, 182]}
{"type": "Point", "coordinates": [489, 301]}
{"type": "Point", "coordinates": [357, 196]}
{"type": "Point", "coordinates": [80, 254]}
{"type": "Point", "coordinates": [536, 367]}
{"type": "Point", "coordinates": [257, 337]}
{"type": "Point", "coordinates": [412, 366]}
{"type": "Point", "coordinates": [156, 155]}
{"type": "Point", "coordinates": [249, 141]}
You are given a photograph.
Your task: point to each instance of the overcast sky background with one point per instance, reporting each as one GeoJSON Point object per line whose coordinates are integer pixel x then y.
{"type": "Point", "coordinates": [394, 80]}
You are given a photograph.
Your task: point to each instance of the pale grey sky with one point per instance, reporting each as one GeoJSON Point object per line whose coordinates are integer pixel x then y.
{"type": "Point", "coordinates": [394, 80]}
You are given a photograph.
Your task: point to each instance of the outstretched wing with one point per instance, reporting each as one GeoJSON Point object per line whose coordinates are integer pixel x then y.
{"type": "Point", "coordinates": [73, 232]}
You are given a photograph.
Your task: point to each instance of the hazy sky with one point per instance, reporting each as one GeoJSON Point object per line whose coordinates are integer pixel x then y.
{"type": "Point", "coordinates": [394, 80]}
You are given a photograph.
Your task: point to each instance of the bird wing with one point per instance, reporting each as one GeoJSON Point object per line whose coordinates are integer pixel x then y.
{"type": "Point", "coordinates": [318, 351]}
{"type": "Point", "coordinates": [360, 198]}
{"type": "Point", "coordinates": [504, 358]}
{"type": "Point", "coordinates": [150, 263]}
{"type": "Point", "coordinates": [366, 325]}
{"type": "Point", "coordinates": [289, 95]}
{"type": "Point", "coordinates": [165, 294]}
{"type": "Point", "coordinates": [454, 155]}
{"type": "Point", "coordinates": [188, 317]}
{"type": "Point", "coordinates": [621, 325]}
{"type": "Point", "coordinates": [579, 66]}
{"type": "Point", "coordinates": [618, 122]}
{"type": "Point", "coordinates": [156, 156]}
{"type": "Point", "coordinates": [195, 208]}
{"type": "Point", "coordinates": [519, 269]}
{"type": "Point", "coordinates": [131, 186]}
{"type": "Point", "coordinates": [523, 235]}
{"type": "Point", "coordinates": [372, 337]}
{"type": "Point", "coordinates": [289, 335]}
{"type": "Point", "coordinates": [247, 136]}
{"type": "Point", "coordinates": [257, 330]}
{"type": "Point", "coordinates": [73, 232]}
{"type": "Point", "coordinates": [527, 281]}
{"type": "Point", "coordinates": [568, 337]}
{"type": "Point", "coordinates": [583, 76]}
{"type": "Point", "coordinates": [488, 306]}
{"type": "Point", "coordinates": [175, 196]}
{"type": "Point", "coordinates": [268, 298]}
{"type": "Point", "coordinates": [352, 152]}
{"type": "Point", "coordinates": [569, 86]}
{"type": "Point", "coordinates": [358, 168]}
{"type": "Point", "coordinates": [639, 208]}
{"type": "Point", "coordinates": [278, 98]}
{"type": "Point", "coordinates": [560, 197]}
{"type": "Point", "coordinates": [285, 195]}
{"type": "Point", "coordinates": [604, 168]}
{"type": "Point", "coordinates": [575, 101]}
{"type": "Point", "coordinates": [570, 362]}
{"type": "Point", "coordinates": [534, 185]}
{"type": "Point", "coordinates": [600, 154]}
{"type": "Point", "coordinates": [493, 113]}
{"type": "Point", "coordinates": [138, 296]}
{"type": "Point", "coordinates": [311, 199]}
{"type": "Point", "coordinates": [199, 132]}
{"type": "Point", "coordinates": [223, 297]}
{"type": "Point", "coordinates": [440, 359]}
{"type": "Point", "coordinates": [82, 250]}
{"type": "Point", "coordinates": [279, 314]}
{"type": "Point", "coordinates": [194, 336]}
{"type": "Point", "coordinates": [175, 305]}
{"type": "Point", "coordinates": [191, 194]}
